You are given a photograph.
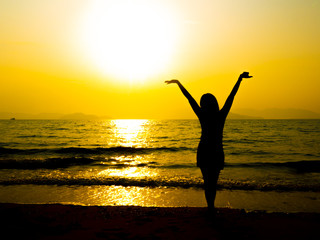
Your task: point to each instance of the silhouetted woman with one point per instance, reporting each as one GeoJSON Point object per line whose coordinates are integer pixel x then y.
{"type": "Point", "coordinates": [210, 155]}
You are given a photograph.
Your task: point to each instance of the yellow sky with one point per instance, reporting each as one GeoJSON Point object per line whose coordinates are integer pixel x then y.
{"type": "Point", "coordinates": [47, 63]}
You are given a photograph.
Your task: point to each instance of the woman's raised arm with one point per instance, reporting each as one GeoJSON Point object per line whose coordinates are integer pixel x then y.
{"type": "Point", "coordinates": [227, 106]}
{"type": "Point", "coordinates": [196, 108]}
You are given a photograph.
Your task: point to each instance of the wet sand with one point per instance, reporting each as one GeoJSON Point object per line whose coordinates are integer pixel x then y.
{"type": "Point", "coordinates": [54, 221]}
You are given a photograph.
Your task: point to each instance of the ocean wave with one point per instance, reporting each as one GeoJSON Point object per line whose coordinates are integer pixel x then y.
{"type": "Point", "coordinates": [27, 136]}
{"type": "Point", "coordinates": [58, 163]}
{"type": "Point", "coordinates": [145, 182]}
{"type": "Point", "coordinates": [50, 163]}
{"type": "Point", "coordinates": [95, 151]}
{"type": "Point", "coordinates": [298, 166]}
{"type": "Point", "coordinates": [119, 163]}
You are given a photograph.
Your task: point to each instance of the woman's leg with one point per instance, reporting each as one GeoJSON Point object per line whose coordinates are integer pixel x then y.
{"type": "Point", "coordinates": [210, 178]}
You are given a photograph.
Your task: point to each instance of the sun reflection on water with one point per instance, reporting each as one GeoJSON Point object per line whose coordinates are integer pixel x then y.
{"type": "Point", "coordinates": [130, 132]}
{"type": "Point", "coordinates": [126, 196]}
{"type": "Point", "coordinates": [130, 172]}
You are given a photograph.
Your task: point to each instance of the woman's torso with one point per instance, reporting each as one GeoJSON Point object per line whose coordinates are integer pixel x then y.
{"type": "Point", "coordinates": [210, 150]}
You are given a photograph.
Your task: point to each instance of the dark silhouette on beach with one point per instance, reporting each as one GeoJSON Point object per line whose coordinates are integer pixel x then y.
{"type": "Point", "coordinates": [210, 155]}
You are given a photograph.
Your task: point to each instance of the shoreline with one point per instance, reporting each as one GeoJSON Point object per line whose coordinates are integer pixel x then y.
{"type": "Point", "coordinates": [271, 201]}
{"type": "Point", "coordinates": [57, 221]}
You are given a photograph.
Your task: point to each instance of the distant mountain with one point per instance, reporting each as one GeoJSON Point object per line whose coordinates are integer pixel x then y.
{"type": "Point", "coordinates": [240, 116]}
{"type": "Point", "coordinates": [278, 113]}
{"type": "Point", "coordinates": [270, 113]}
{"type": "Point", "coordinates": [80, 116]}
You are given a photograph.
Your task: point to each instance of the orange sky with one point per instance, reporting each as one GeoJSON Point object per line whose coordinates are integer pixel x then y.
{"type": "Point", "coordinates": [53, 57]}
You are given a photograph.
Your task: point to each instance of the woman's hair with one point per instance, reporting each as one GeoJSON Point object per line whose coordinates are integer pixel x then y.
{"type": "Point", "coordinates": [209, 102]}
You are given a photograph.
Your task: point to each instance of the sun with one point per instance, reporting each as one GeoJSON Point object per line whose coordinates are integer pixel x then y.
{"type": "Point", "coordinates": [130, 40]}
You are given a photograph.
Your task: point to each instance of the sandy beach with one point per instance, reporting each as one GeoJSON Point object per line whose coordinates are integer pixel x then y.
{"type": "Point", "coordinates": [53, 221]}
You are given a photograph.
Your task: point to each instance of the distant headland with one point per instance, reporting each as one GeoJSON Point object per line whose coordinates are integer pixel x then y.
{"type": "Point", "coordinates": [270, 113]}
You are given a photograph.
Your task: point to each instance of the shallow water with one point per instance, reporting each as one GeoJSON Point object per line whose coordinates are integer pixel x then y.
{"type": "Point", "coordinates": [270, 201]}
{"type": "Point", "coordinates": [264, 156]}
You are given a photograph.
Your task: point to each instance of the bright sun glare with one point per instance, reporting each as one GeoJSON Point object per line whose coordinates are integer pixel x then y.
{"type": "Point", "coordinates": [130, 40]}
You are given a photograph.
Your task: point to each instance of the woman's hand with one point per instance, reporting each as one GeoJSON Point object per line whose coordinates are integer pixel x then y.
{"type": "Point", "coordinates": [245, 75]}
{"type": "Point", "coordinates": [172, 81]}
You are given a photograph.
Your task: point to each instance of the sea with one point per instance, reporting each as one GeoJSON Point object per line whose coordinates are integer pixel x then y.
{"type": "Point", "coordinates": [271, 165]}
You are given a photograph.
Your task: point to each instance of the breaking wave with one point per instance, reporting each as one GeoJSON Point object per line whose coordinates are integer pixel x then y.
{"type": "Point", "coordinates": [146, 182]}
